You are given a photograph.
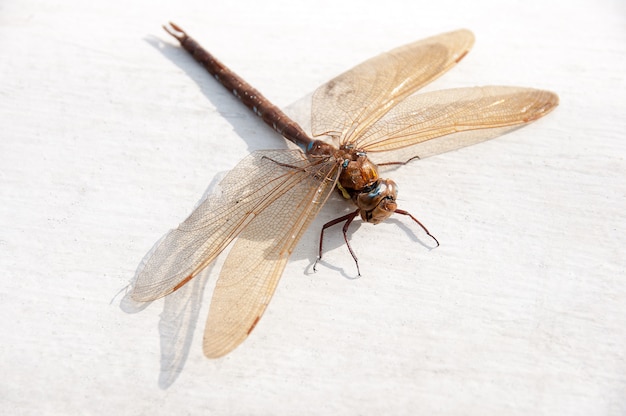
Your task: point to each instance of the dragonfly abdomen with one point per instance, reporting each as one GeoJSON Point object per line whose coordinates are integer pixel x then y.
{"type": "Point", "coordinates": [247, 94]}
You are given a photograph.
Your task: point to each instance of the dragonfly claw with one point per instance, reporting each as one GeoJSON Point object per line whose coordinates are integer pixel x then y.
{"type": "Point", "coordinates": [175, 31]}
{"type": "Point", "coordinates": [315, 264]}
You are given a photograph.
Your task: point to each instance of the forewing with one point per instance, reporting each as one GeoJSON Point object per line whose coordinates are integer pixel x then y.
{"type": "Point", "coordinates": [247, 190]}
{"type": "Point", "coordinates": [257, 259]}
{"type": "Point", "coordinates": [436, 122]}
{"type": "Point", "coordinates": [353, 100]}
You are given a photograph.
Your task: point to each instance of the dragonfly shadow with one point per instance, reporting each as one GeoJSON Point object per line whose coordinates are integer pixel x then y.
{"type": "Point", "coordinates": [333, 240]}
{"type": "Point", "coordinates": [177, 325]}
{"type": "Point", "coordinates": [180, 313]}
{"type": "Point", "coordinates": [224, 103]}
{"type": "Point", "coordinates": [343, 271]}
{"type": "Point", "coordinates": [425, 240]}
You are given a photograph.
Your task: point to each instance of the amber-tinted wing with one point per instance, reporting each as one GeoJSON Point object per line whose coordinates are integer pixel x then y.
{"type": "Point", "coordinates": [436, 122]}
{"type": "Point", "coordinates": [256, 261]}
{"type": "Point", "coordinates": [355, 99]}
{"type": "Point", "coordinates": [258, 182]}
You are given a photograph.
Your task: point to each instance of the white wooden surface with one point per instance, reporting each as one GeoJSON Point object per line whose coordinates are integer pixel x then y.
{"type": "Point", "coordinates": [111, 134]}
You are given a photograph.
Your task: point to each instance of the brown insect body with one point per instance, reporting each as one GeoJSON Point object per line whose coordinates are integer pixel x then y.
{"type": "Point", "coordinates": [268, 200]}
{"type": "Point", "coordinates": [359, 181]}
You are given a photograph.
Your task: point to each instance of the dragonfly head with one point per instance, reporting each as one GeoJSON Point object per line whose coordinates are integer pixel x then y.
{"type": "Point", "coordinates": [377, 202]}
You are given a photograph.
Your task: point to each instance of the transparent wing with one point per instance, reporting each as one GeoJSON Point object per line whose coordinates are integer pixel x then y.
{"type": "Point", "coordinates": [436, 122]}
{"type": "Point", "coordinates": [353, 100]}
{"type": "Point", "coordinates": [257, 260]}
{"type": "Point", "coordinates": [256, 183]}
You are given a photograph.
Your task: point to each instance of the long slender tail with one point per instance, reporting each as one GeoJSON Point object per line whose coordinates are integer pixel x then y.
{"type": "Point", "coordinates": [249, 96]}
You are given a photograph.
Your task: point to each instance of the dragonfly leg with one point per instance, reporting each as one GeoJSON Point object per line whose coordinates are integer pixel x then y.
{"type": "Point", "coordinates": [403, 212]}
{"type": "Point", "coordinates": [285, 165]}
{"type": "Point", "coordinates": [345, 237]}
{"type": "Point", "coordinates": [348, 218]}
{"type": "Point", "coordinates": [399, 163]}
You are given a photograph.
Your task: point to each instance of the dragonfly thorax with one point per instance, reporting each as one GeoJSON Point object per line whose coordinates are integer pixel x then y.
{"type": "Point", "coordinates": [357, 171]}
{"type": "Point", "coordinates": [359, 181]}
{"type": "Point", "coordinates": [375, 197]}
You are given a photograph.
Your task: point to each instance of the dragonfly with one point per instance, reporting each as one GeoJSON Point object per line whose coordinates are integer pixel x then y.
{"type": "Point", "coordinates": [364, 118]}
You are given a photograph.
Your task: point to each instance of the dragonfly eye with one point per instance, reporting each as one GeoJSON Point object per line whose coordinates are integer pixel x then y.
{"type": "Point", "coordinates": [377, 202]}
